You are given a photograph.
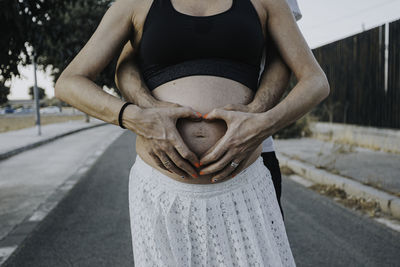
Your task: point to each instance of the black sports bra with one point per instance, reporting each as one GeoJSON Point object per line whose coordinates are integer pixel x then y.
{"type": "Point", "coordinates": [228, 44]}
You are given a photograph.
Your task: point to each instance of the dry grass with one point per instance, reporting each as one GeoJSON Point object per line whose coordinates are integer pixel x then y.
{"type": "Point", "coordinates": [286, 171]}
{"type": "Point", "coordinates": [347, 141]}
{"type": "Point", "coordinates": [367, 206]}
{"type": "Point", "coordinates": [16, 123]}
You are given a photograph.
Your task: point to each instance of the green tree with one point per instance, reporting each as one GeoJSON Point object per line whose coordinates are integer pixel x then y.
{"type": "Point", "coordinates": [42, 92]}
{"type": "Point", "coordinates": [66, 36]}
{"type": "Point", "coordinates": [21, 25]}
{"type": "Point", "coordinates": [4, 91]}
{"type": "Point", "coordinates": [56, 29]}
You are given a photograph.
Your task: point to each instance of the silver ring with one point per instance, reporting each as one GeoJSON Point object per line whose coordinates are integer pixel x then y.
{"type": "Point", "coordinates": [234, 164]}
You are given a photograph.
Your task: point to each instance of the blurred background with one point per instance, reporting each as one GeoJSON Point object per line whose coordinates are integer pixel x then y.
{"type": "Point", "coordinates": [340, 162]}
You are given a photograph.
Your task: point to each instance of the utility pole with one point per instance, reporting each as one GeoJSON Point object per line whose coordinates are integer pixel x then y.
{"type": "Point", "coordinates": [386, 69]}
{"type": "Point", "coordinates": [36, 94]}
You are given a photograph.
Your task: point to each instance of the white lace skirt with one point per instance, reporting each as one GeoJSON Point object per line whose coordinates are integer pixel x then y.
{"type": "Point", "coordinates": [236, 222]}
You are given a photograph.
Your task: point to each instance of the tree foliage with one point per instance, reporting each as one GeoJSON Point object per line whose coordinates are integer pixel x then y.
{"type": "Point", "coordinates": [41, 91]}
{"type": "Point", "coordinates": [70, 31]}
{"type": "Point", "coordinates": [4, 91]}
{"type": "Point", "coordinates": [56, 29]}
{"type": "Point", "coordinates": [21, 22]}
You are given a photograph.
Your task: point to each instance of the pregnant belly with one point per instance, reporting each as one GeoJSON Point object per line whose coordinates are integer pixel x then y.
{"type": "Point", "coordinates": [200, 136]}
{"type": "Point", "coordinates": [203, 94]}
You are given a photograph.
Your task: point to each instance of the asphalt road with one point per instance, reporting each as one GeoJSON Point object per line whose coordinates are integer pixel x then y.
{"type": "Point", "coordinates": [90, 227]}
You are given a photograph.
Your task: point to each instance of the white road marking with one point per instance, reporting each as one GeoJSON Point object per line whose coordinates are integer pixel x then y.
{"type": "Point", "coordinates": [5, 252]}
{"type": "Point", "coordinates": [393, 224]}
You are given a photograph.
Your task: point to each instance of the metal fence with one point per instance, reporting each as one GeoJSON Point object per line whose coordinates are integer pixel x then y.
{"type": "Point", "coordinates": [355, 68]}
{"type": "Point", "coordinates": [393, 94]}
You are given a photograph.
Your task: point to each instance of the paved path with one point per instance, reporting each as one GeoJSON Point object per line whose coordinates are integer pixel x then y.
{"type": "Point", "coordinates": [29, 178]}
{"type": "Point", "coordinates": [14, 142]}
{"type": "Point", "coordinates": [324, 233]}
{"type": "Point", "coordinates": [90, 227]}
{"type": "Point", "coordinates": [376, 168]}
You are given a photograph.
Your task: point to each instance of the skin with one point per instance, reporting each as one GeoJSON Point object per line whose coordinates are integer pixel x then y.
{"type": "Point", "coordinates": [244, 131]}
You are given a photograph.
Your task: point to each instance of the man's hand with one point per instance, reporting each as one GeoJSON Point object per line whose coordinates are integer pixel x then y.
{"type": "Point", "coordinates": [162, 140]}
{"type": "Point", "coordinates": [246, 131]}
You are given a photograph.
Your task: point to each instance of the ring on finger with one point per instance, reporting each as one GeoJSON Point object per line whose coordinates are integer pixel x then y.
{"type": "Point", "coordinates": [234, 164]}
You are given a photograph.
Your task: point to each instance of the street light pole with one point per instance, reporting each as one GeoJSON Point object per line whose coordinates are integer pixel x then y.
{"type": "Point", "coordinates": [36, 94]}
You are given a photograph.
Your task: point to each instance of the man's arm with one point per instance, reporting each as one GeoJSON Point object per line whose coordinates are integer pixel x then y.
{"type": "Point", "coordinates": [130, 83]}
{"type": "Point", "coordinates": [273, 82]}
{"type": "Point", "coordinates": [274, 78]}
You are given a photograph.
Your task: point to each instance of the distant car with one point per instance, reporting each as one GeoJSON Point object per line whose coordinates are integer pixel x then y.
{"type": "Point", "coordinates": [9, 110]}
{"type": "Point", "coordinates": [49, 110]}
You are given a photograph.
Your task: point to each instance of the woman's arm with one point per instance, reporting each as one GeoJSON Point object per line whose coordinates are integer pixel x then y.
{"type": "Point", "coordinates": [76, 85]}
{"type": "Point", "coordinates": [312, 86]}
{"type": "Point", "coordinates": [246, 131]}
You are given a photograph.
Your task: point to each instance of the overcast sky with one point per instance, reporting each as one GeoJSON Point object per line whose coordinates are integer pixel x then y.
{"type": "Point", "coordinates": [323, 22]}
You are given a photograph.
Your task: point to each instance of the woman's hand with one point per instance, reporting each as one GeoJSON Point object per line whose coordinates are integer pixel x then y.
{"type": "Point", "coordinates": [162, 140]}
{"type": "Point", "coordinates": [252, 107]}
{"type": "Point", "coordinates": [246, 131]}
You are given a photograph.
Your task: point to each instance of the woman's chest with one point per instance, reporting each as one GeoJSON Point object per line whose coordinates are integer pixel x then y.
{"type": "Point", "coordinates": [163, 24]}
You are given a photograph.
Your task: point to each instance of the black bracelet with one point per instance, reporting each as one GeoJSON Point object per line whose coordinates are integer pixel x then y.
{"type": "Point", "coordinates": [120, 113]}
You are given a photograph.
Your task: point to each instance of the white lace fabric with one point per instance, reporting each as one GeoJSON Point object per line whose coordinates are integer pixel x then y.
{"type": "Point", "coordinates": [232, 223]}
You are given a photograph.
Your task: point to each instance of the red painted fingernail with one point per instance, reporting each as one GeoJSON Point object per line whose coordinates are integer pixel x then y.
{"type": "Point", "coordinates": [195, 175]}
{"type": "Point", "coordinates": [201, 164]}
{"type": "Point", "coordinates": [199, 114]}
{"type": "Point", "coordinates": [205, 116]}
{"type": "Point", "coordinates": [197, 165]}
{"type": "Point", "coordinates": [201, 173]}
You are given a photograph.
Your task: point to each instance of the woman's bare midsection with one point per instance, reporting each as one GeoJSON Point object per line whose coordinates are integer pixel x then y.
{"type": "Point", "coordinates": [203, 94]}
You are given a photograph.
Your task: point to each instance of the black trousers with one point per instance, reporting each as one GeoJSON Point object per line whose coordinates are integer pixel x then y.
{"type": "Point", "coordinates": [272, 163]}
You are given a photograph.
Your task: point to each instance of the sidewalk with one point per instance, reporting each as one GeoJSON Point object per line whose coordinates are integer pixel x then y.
{"type": "Point", "coordinates": [358, 171]}
{"type": "Point", "coordinates": [14, 142]}
{"type": "Point", "coordinates": [32, 183]}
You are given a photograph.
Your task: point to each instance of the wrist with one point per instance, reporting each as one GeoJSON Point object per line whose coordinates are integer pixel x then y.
{"type": "Point", "coordinates": [130, 115]}
{"type": "Point", "coordinates": [269, 123]}
{"type": "Point", "coordinates": [147, 101]}
{"type": "Point", "coordinates": [256, 107]}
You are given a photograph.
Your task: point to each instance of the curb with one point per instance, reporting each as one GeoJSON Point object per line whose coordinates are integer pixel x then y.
{"type": "Point", "coordinates": [388, 203]}
{"type": "Point", "coordinates": [16, 151]}
{"type": "Point", "coordinates": [376, 138]}
{"type": "Point", "coordinates": [12, 241]}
